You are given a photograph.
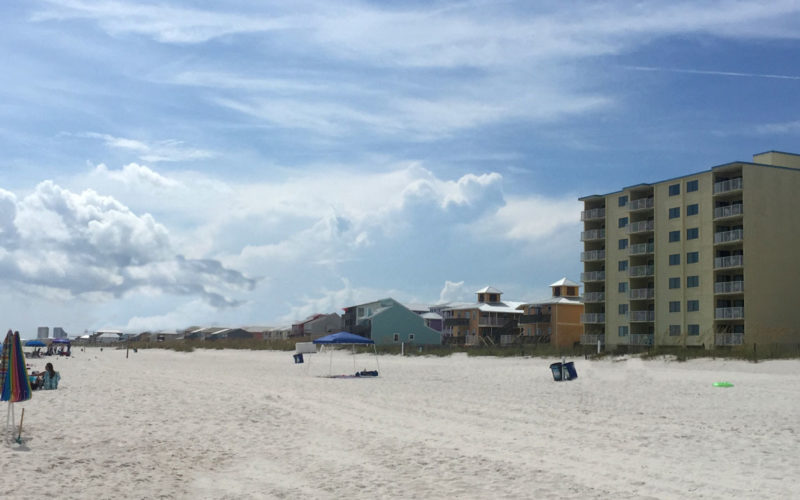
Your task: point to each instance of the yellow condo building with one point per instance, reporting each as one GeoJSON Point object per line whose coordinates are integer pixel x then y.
{"type": "Point", "coordinates": [710, 259]}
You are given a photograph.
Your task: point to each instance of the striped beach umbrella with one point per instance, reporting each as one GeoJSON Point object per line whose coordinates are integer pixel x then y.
{"type": "Point", "coordinates": [16, 385]}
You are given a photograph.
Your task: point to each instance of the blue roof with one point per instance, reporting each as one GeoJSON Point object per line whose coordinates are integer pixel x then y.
{"type": "Point", "coordinates": [343, 338]}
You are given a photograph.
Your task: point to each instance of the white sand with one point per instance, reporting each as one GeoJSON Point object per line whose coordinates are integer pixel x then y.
{"type": "Point", "coordinates": [239, 424]}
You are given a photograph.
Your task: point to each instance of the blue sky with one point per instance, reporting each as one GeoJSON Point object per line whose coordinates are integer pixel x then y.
{"type": "Point", "coordinates": [166, 164]}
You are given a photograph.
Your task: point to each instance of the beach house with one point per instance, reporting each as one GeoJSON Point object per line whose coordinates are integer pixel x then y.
{"type": "Point", "coordinates": [389, 322]}
{"type": "Point", "coordinates": [555, 320]}
{"type": "Point", "coordinates": [489, 320]}
{"type": "Point", "coordinates": [317, 325]}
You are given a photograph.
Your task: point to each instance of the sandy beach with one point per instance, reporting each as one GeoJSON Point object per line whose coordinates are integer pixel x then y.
{"type": "Point", "coordinates": [251, 424]}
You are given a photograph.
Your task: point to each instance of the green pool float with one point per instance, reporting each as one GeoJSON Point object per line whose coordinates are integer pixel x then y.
{"type": "Point", "coordinates": [723, 384]}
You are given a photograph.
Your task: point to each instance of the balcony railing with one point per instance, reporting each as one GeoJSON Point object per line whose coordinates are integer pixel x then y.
{"type": "Point", "coordinates": [729, 287]}
{"type": "Point", "coordinates": [534, 318]}
{"type": "Point", "coordinates": [593, 276]}
{"type": "Point", "coordinates": [594, 234]}
{"type": "Point", "coordinates": [640, 204]}
{"type": "Point", "coordinates": [593, 318]}
{"type": "Point", "coordinates": [729, 313]}
{"type": "Point", "coordinates": [456, 322]}
{"type": "Point", "coordinates": [643, 226]}
{"type": "Point", "coordinates": [729, 338]}
{"type": "Point", "coordinates": [593, 338]}
{"type": "Point", "coordinates": [641, 293]}
{"type": "Point", "coordinates": [641, 339]}
{"type": "Point", "coordinates": [639, 271]}
{"type": "Point", "coordinates": [643, 316]}
{"type": "Point", "coordinates": [593, 255]}
{"type": "Point", "coordinates": [730, 261]}
{"type": "Point", "coordinates": [492, 321]}
{"type": "Point", "coordinates": [593, 297]}
{"type": "Point", "coordinates": [729, 211]}
{"type": "Point", "coordinates": [729, 236]}
{"type": "Point", "coordinates": [595, 213]}
{"type": "Point", "coordinates": [728, 186]}
{"type": "Point", "coordinates": [641, 249]}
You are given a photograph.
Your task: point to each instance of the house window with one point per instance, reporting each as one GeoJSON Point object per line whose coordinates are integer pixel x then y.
{"type": "Point", "coordinates": [492, 298]}
{"type": "Point", "coordinates": [360, 312]}
{"type": "Point", "coordinates": [623, 265]}
{"type": "Point", "coordinates": [622, 201]}
{"type": "Point", "coordinates": [571, 291]}
{"type": "Point", "coordinates": [692, 257]}
{"type": "Point", "coordinates": [674, 236]}
{"type": "Point", "coordinates": [623, 308]}
{"type": "Point", "coordinates": [692, 233]}
{"type": "Point", "coordinates": [692, 209]}
{"type": "Point", "coordinates": [396, 337]}
{"type": "Point", "coordinates": [622, 287]}
{"type": "Point", "coordinates": [674, 212]}
{"type": "Point", "coordinates": [556, 292]}
{"type": "Point", "coordinates": [692, 281]}
{"type": "Point", "coordinates": [623, 221]}
{"type": "Point", "coordinates": [466, 314]}
{"type": "Point", "coordinates": [675, 306]}
{"type": "Point", "coordinates": [692, 305]}
{"type": "Point", "coordinates": [674, 330]}
{"type": "Point", "coordinates": [623, 243]}
{"type": "Point", "coordinates": [674, 282]}
{"type": "Point", "coordinates": [675, 190]}
{"type": "Point", "coordinates": [694, 330]}
{"type": "Point", "coordinates": [623, 331]}
{"type": "Point", "coordinates": [675, 259]}
{"type": "Point", "coordinates": [691, 186]}
{"type": "Point", "coordinates": [411, 337]}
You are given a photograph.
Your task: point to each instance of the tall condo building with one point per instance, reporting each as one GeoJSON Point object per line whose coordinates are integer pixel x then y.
{"type": "Point", "coordinates": [709, 259]}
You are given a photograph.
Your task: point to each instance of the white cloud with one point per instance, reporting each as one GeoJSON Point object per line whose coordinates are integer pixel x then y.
{"type": "Point", "coordinates": [161, 151]}
{"type": "Point", "coordinates": [134, 174]}
{"type": "Point", "coordinates": [792, 127]}
{"type": "Point", "coordinates": [454, 292]}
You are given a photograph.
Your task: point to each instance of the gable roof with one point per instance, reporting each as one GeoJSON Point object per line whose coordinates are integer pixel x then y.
{"type": "Point", "coordinates": [488, 289]}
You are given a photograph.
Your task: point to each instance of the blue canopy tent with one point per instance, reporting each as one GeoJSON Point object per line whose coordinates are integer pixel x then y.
{"type": "Point", "coordinates": [34, 343]}
{"type": "Point", "coordinates": [351, 339]}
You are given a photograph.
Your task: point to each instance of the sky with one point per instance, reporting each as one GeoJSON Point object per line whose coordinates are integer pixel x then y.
{"type": "Point", "coordinates": [169, 164]}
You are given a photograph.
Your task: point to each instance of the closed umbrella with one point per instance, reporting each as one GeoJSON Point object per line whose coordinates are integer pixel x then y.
{"type": "Point", "coordinates": [13, 376]}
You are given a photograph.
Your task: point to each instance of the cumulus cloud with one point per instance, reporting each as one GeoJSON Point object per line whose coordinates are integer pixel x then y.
{"type": "Point", "coordinates": [531, 219]}
{"type": "Point", "coordinates": [453, 291]}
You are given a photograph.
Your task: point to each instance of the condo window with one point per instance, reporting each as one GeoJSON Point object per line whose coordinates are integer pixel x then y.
{"type": "Point", "coordinates": [674, 330]}
{"type": "Point", "coordinates": [692, 209]}
{"type": "Point", "coordinates": [675, 259]}
{"type": "Point", "coordinates": [674, 212]}
{"type": "Point", "coordinates": [694, 329]}
{"type": "Point", "coordinates": [623, 265]}
{"type": "Point", "coordinates": [674, 282]}
{"type": "Point", "coordinates": [692, 257]}
{"type": "Point", "coordinates": [692, 233]}
{"type": "Point", "coordinates": [623, 221]}
{"type": "Point", "coordinates": [675, 306]}
{"type": "Point", "coordinates": [623, 200]}
{"type": "Point", "coordinates": [623, 308]}
{"type": "Point", "coordinates": [623, 331]}
{"type": "Point", "coordinates": [691, 186]}
{"type": "Point", "coordinates": [675, 190]}
{"type": "Point", "coordinates": [692, 305]}
{"type": "Point", "coordinates": [692, 281]}
{"type": "Point", "coordinates": [623, 244]}
{"type": "Point", "coordinates": [622, 287]}
{"type": "Point", "coordinates": [674, 236]}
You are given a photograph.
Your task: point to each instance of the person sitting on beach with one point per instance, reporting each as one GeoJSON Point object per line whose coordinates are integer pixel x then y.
{"type": "Point", "coordinates": [50, 377]}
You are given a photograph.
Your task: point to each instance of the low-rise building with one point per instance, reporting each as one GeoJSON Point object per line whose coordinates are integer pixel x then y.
{"type": "Point", "coordinates": [556, 320]}
{"type": "Point", "coordinates": [388, 322]}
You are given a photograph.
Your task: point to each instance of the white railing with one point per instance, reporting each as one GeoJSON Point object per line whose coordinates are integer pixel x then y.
{"type": "Point", "coordinates": [729, 338]}
{"type": "Point", "coordinates": [729, 236]}
{"type": "Point", "coordinates": [593, 338]}
{"type": "Point", "coordinates": [640, 204]}
{"type": "Point", "coordinates": [643, 316]}
{"type": "Point", "coordinates": [593, 255]}
{"type": "Point", "coordinates": [641, 293]}
{"type": "Point", "coordinates": [595, 213]}
{"type": "Point", "coordinates": [594, 234]}
{"type": "Point", "coordinates": [729, 313]}
{"type": "Point", "coordinates": [729, 287]}
{"type": "Point", "coordinates": [594, 297]}
{"type": "Point", "coordinates": [730, 261]}
{"type": "Point", "coordinates": [728, 211]}
{"type": "Point", "coordinates": [729, 185]}
{"type": "Point", "coordinates": [641, 339]}
{"type": "Point", "coordinates": [637, 271]}
{"type": "Point", "coordinates": [641, 249]}
{"type": "Point", "coordinates": [593, 318]}
{"type": "Point", "coordinates": [593, 276]}
{"type": "Point", "coordinates": [643, 226]}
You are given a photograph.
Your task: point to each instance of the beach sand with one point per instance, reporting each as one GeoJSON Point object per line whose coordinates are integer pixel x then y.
{"type": "Point", "coordinates": [252, 424]}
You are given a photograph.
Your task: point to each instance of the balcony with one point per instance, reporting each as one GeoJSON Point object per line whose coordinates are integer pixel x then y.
{"type": "Point", "coordinates": [729, 287]}
{"type": "Point", "coordinates": [640, 271]}
{"type": "Point", "coordinates": [641, 293]}
{"type": "Point", "coordinates": [729, 211]}
{"type": "Point", "coordinates": [728, 186]}
{"type": "Point", "coordinates": [492, 321]}
{"type": "Point", "coordinates": [729, 262]}
{"type": "Point", "coordinates": [593, 339]}
{"type": "Point", "coordinates": [641, 339]}
{"type": "Point", "coordinates": [729, 313]}
{"type": "Point", "coordinates": [640, 204]}
{"type": "Point", "coordinates": [593, 276]}
{"type": "Point", "coordinates": [593, 214]}
{"type": "Point", "coordinates": [593, 318]}
{"type": "Point", "coordinates": [643, 226]}
{"type": "Point", "coordinates": [593, 255]}
{"type": "Point", "coordinates": [729, 236]}
{"type": "Point", "coordinates": [641, 249]}
{"type": "Point", "coordinates": [643, 316]}
{"type": "Point", "coordinates": [594, 297]}
{"type": "Point", "coordinates": [594, 234]}
{"type": "Point", "coordinates": [723, 339]}
{"type": "Point", "coordinates": [456, 322]}
{"type": "Point", "coordinates": [534, 318]}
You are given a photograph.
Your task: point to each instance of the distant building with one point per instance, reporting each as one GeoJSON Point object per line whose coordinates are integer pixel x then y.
{"type": "Point", "coordinates": [557, 320]}
{"type": "Point", "coordinates": [388, 322]}
{"type": "Point", "coordinates": [59, 333]}
{"type": "Point", "coordinates": [489, 320]}
{"type": "Point", "coordinates": [317, 325]}
{"type": "Point", "coordinates": [43, 332]}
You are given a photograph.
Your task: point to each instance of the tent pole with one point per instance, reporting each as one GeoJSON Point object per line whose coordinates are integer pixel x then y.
{"type": "Point", "coordinates": [375, 350]}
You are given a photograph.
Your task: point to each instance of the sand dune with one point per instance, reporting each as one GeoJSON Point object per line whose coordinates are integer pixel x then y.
{"type": "Point", "coordinates": [246, 424]}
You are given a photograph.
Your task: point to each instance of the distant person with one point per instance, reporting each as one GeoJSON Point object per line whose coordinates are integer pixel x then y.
{"type": "Point", "coordinates": [50, 377]}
